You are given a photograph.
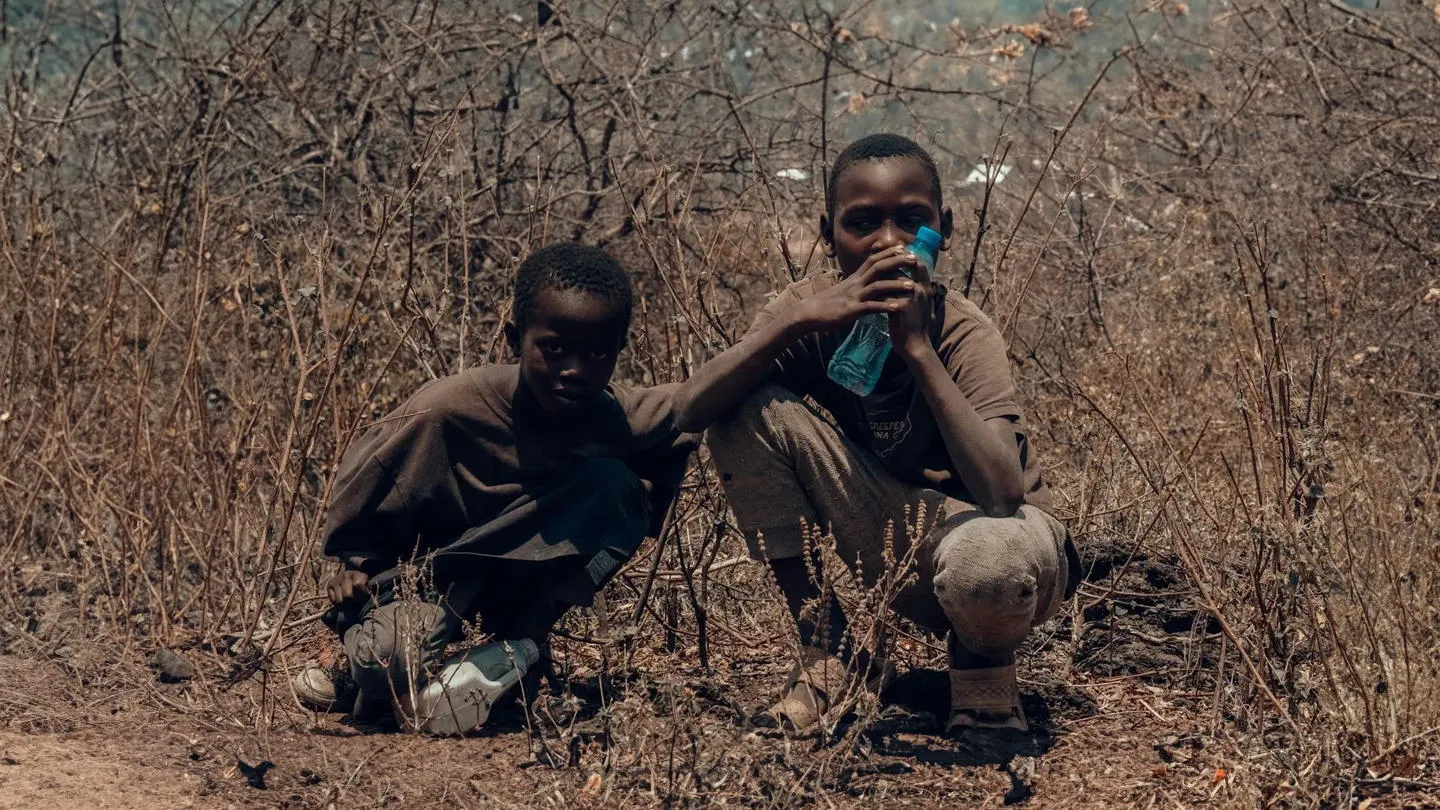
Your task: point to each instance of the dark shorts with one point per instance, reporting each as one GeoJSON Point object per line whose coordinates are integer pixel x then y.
{"type": "Point", "coordinates": [560, 544]}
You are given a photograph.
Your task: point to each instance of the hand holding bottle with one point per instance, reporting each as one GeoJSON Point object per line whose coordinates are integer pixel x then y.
{"type": "Point", "coordinates": [860, 360]}
{"type": "Point", "coordinates": [878, 287]}
{"type": "Point", "coordinates": [910, 324]}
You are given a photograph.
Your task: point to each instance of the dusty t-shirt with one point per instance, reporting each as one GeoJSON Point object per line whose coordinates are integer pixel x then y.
{"type": "Point", "coordinates": [895, 421]}
{"type": "Point", "coordinates": [465, 449]}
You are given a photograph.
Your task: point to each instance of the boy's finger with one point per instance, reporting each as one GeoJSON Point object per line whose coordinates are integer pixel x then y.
{"type": "Point", "coordinates": [868, 266]}
{"type": "Point", "coordinates": [885, 263]}
{"type": "Point", "coordinates": [890, 288]}
{"type": "Point", "coordinates": [921, 272]}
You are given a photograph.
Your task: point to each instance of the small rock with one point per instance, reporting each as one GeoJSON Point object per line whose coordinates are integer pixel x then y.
{"type": "Point", "coordinates": [172, 668]}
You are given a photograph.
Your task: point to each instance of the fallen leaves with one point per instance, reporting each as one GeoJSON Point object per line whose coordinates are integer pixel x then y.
{"type": "Point", "coordinates": [1171, 8]}
{"type": "Point", "coordinates": [590, 791]}
{"type": "Point", "coordinates": [958, 35]}
{"type": "Point", "coordinates": [1080, 18]}
{"type": "Point", "coordinates": [1031, 31]}
{"type": "Point", "coordinates": [1013, 49]}
{"type": "Point", "coordinates": [592, 785]}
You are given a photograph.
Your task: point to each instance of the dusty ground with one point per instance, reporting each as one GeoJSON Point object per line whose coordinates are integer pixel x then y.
{"type": "Point", "coordinates": [1121, 710]}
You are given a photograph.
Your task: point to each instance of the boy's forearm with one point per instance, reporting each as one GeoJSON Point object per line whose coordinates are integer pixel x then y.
{"type": "Point", "coordinates": [720, 385]}
{"type": "Point", "coordinates": [988, 466]}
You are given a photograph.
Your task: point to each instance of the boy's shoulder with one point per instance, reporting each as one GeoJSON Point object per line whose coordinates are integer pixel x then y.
{"type": "Point", "coordinates": [808, 286]}
{"type": "Point", "coordinates": [961, 315]}
{"type": "Point", "coordinates": [795, 292]}
{"type": "Point", "coordinates": [477, 391]}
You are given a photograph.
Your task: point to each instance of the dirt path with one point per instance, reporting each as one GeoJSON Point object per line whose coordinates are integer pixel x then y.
{"type": "Point", "coordinates": [86, 770]}
{"type": "Point", "coordinates": [73, 745]}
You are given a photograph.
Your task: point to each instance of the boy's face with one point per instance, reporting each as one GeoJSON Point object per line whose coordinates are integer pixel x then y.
{"type": "Point", "coordinates": [879, 204]}
{"type": "Point", "coordinates": [568, 350]}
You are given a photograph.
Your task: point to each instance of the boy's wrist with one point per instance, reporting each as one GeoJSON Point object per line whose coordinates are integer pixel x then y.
{"type": "Point", "coordinates": [916, 351]}
{"type": "Point", "coordinates": [801, 320]}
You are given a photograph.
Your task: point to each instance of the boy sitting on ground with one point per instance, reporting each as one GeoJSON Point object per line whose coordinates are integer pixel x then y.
{"type": "Point", "coordinates": [519, 488]}
{"type": "Point", "coordinates": [941, 430]}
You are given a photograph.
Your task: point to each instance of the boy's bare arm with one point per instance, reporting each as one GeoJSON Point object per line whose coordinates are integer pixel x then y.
{"type": "Point", "coordinates": [716, 388]}
{"type": "Point", "coordinates": [721, 384]}
{"type": "Point", "coordinates": [983, 451]}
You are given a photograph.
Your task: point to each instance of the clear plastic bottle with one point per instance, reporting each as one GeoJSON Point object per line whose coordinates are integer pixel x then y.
{"type": "Point", "coordinates": [459, 698]}
{"type": "Point", "coordinates": [858, 362]}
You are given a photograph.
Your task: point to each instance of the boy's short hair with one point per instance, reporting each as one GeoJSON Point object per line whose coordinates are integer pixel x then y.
{"type": "Point", "coordinates": [879, 146]}
{"type": "Point", "coordinates": [570, 266]}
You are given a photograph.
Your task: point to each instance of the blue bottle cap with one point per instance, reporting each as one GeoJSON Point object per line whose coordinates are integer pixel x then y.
{"type": "Point", "coordinates": [928, 238]}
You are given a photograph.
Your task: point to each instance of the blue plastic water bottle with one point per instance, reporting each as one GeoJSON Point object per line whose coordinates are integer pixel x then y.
{"type": "Point", "coordinates": [858, 362]}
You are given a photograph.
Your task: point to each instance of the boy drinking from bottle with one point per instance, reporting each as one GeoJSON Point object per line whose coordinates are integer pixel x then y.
{"type": "Point", "coordinates": [941, 430]}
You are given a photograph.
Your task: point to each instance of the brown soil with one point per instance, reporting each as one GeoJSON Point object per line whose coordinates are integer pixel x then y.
{"type": "Point", "coordinates": [1121, 716]}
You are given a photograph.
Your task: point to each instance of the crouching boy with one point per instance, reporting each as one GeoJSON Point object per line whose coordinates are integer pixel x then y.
{"type": "Point", "coordinates": [519, 489]}
{"type": "Point", "coordinates": [941, 431]}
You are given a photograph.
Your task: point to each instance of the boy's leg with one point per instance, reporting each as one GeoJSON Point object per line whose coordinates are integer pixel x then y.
{"type": "Point", "coordinates": [995, 579]}
{"type": "Point", "coordinates": [601, 512]}
{"type": "Point", "coordinates": [393, 650]}
{"type": "Point", "coordinates": [783, 468]}
{"type": "Point", "coordinates": [987, 580]}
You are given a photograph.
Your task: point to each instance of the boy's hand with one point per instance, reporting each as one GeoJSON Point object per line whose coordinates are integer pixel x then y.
{"type": "Point", "coordinates": [910, 325]}
{"type": "Point", "coordinates": [878, 286]}
{"type": "Point", "coordinates": [345, 586]}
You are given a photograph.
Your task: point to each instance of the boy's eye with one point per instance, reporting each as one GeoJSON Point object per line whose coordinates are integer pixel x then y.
{"type": "Point", "coordinates": [599, 354]}
{"type": "Point", "coordinates": [551, 347]}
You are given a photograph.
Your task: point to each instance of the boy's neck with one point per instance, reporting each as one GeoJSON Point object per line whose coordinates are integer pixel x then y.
{"type": "Point", "coordinates": [525, 408]}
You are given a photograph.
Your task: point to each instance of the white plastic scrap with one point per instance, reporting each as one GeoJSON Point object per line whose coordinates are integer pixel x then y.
{"type": "Point", "coordinates": [793, 174]}
{"type": "Point", "coordinates": [979, 174]}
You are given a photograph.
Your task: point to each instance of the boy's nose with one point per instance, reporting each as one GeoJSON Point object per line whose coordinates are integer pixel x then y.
{"type": "Point", "coordinates": [571, 366]}
{"type": "Point", "coordinates": [888, 237]}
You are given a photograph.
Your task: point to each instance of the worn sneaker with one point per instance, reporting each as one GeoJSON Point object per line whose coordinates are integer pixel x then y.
{"type": "Point", "coordinates": [322, 688]}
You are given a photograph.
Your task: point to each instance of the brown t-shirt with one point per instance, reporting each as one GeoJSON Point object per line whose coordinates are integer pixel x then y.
{"type": "Point", "coordinates": [895, 421]}
{"type": "Point", "coordinates": [461, 451]}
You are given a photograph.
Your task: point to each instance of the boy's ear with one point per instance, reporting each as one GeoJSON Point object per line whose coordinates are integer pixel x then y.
{"type": "Point", "coordinates": [947, 227]}
{"type": "Point", "coordinates": [512, 336]}
{"type": "Point", "coordinates": [827, 234]}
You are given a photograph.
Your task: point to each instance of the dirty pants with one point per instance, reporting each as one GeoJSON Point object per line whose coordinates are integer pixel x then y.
{"type": "Point", "coordinates": [395, 644]}
{"type": "Point", "coordinates": [989, 580]}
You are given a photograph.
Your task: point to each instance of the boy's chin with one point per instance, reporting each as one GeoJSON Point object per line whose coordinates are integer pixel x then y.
{"type": "Point", "coordinates": [566, 407]}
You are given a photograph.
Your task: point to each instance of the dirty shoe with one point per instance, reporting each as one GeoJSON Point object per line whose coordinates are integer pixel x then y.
{"type": "Point", "coordinates": [322, 688]}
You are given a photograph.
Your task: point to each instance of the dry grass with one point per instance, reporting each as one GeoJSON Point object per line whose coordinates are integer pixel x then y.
{"type": "Point", "coordinates": [231, 240]}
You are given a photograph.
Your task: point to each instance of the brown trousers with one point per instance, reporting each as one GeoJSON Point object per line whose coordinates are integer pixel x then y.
{"type": "Point", "coordinates": [990, 580]}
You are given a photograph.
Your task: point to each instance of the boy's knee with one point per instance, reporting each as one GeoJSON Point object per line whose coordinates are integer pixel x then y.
{"type": "Point", "coordinates": [396, 631]}
{"type": "Point", "coordinates": [768, 408]}
{"type": "Point", "coordinates": [991, 616]}
{"type": "Point", "coordinates": [988, 584]}
{"type": "Point", "coordinates": [617, 499]}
